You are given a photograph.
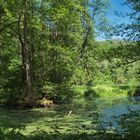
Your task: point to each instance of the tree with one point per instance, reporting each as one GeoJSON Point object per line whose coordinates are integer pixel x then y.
{"type": "Point", "coordinates": [47, 43]}
{"type": "Point", "coordinates": [128, 49]}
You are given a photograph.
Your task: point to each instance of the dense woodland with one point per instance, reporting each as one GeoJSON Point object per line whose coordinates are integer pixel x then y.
{"type": "Point", "coordinates": [49, 47]}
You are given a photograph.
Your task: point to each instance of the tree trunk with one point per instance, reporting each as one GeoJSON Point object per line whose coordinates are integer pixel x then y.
{"type": "Point", "coordinates": [25, 55]}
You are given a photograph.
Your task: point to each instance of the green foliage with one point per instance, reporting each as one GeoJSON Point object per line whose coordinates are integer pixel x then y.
{"type": "Point", "coordinates": [85, 122]}
{"type": "Point", "coordinates": [110, 91]}
{"type": "Point", "coordinates": [89, 93]}
{"type": "Point", "coordinates": [58, 93]}
{"type": "Point", "coordinates": [47, 42]}
{"type": "Point", "coordinates": [58, 41]}
{"type": "Point", "coordinates": [49, 55]}
{"type": "Point", "coordinates": [131, 123]}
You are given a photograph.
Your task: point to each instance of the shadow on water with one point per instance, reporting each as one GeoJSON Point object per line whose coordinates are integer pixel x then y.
{"type": "Point", "coordinates": [102, 119]}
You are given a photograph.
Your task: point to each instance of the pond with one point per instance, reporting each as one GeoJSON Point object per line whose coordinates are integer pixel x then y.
{"type": "Point", "coordinates": [84, 116]}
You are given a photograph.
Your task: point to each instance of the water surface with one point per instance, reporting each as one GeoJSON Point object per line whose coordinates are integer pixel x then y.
{"type": "Point", "coordinates": [87, 115]}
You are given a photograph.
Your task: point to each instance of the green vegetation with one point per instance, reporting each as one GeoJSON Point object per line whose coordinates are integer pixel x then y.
{"type": "Point", "coordinates": [50, 48]}
{"type": "Point", "coordinates": [101, 91]}
{"type": "Point", "coordinates": [51, 56]}
{"type": "Point", "coordinates": [83, 123]}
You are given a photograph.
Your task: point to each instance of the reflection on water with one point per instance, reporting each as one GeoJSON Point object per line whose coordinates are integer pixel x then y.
{"type": "Point", "coordinates": [111, 114]}
{"type": "Point", "coordinates": [107, 112]}
{"type": "Point", "coordinates": [87, 115]}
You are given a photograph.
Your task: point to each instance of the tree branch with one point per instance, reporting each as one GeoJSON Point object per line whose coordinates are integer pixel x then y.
{"type": "Point", "coordinates": [7, 25]}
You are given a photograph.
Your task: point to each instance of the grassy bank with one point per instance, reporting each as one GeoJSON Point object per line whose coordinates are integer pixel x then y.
{"type": "Point", "coordinates": [101, 91]}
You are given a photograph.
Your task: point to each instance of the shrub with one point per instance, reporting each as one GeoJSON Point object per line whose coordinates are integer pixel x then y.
{"type": "Point", "coordinates": [58, 93]}
{"type": "Point", "coordinates": [137, 91]}
{"type": "Point", "coordinates": [90, 92]}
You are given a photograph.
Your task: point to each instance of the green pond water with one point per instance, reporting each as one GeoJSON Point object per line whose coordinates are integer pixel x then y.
{"type": "Point", "coordinates": [82, 116]}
